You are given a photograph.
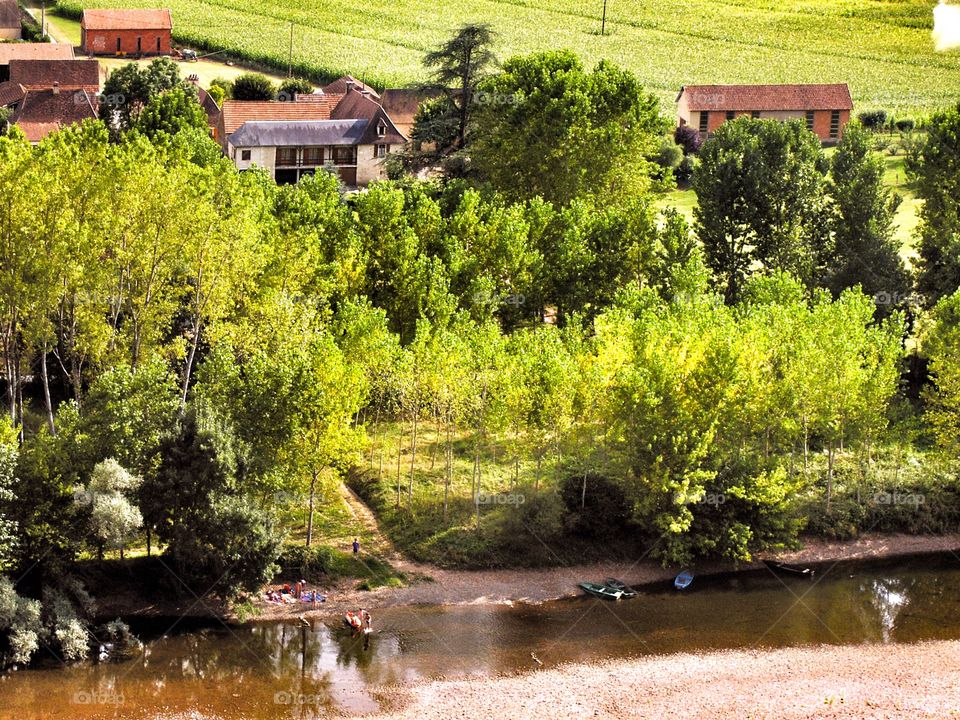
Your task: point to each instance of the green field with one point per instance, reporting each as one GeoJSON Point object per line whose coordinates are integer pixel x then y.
{"type": "Point", "coordinates": [881, 47]}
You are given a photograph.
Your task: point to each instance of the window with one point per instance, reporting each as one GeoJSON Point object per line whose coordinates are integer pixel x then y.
{"type": "Point", "coordinates": [313, 156]}
{"type": "Point", "coordinates": [118, 46]}
{"type": "Point", "coordinates": [755, 114]}
{"type": "Point", "coordinates": [731, 114]}
{"type": "Point", "coordinates": [381, 130]}
{"type": "Point", "coordinates": [704, 120]}
{"type": "Point", "coordinates": [810, 115]}
{"type": "Point", "coordinates": [381, 151]}
{"type": "Point", "coordinates": [245, 155]}
{"type": "Point", "coordinates": [286, 157]}
{"type": "Point", "coordinates": [158, 44]}
{"type": "Point", "coordinates": [344, 155]}
{"type": "Point", "coordinates": [139, 45]}
{"type": "Point", "coordinates": [834, 123]}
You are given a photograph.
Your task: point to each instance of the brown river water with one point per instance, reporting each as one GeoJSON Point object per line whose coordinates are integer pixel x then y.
{"type": "Point", "coordinates": [284, 670]}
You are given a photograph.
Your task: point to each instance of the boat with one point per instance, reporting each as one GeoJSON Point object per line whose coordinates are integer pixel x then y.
{"type": "Point", "coordinates": [601, 591]}
{"type": "Point", "coordinates": [614, 584]}
{"type": "Point", "coordinates": [683, 580]}
{"type": "Point", "coordinates": [789, 569]}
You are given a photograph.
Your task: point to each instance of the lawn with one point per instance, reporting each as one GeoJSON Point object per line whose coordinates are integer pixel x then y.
{"type": "Point", "coordinates": [881, 47]}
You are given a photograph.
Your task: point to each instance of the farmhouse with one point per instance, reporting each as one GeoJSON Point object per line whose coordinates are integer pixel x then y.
{"type": "Point", "coordinates": [126, 32]}
{"type": "Point", "coordinates": [347, 133]}
{"type": "Point", "coordinates": [9, 20]}
{"type": "Point", "coordinates": [41, 112]}
{"type": "Point", "coordinates": [45, 95]}
{"type": "Point", "coordinates": [825, 108]}
{"type": "Point", "coordinates": [31, 51]}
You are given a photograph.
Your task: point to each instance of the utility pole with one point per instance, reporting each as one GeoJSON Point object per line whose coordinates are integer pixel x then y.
{"type": "Point", "coordinates": [290, 62]}
{"type": "Point", "coordinates": [603, 22]}
{"type": "Point", "coordinates": [43, 18]}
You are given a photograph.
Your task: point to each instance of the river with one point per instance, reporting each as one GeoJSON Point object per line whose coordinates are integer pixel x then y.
{"type": "Point", "coordinates": [281, 670]}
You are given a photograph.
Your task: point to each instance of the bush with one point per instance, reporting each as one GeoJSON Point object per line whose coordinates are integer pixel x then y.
{"type": "Point", "coordinates": [291, 87]}
{"type": "Point", "coordinates": [600, 512]}
{"type": "Point", "coordinates": [906, 125]}
{"type": "Point", "coordinates": [253, 86]}
{"type": "Point", "coordinates": [687, 138]}
{"type": "Point", "coordinates": [873, 119]}
{"type": "Point", "coordinates": [684, 171]}
{"type": "Point", "coordinates": [221, 90]}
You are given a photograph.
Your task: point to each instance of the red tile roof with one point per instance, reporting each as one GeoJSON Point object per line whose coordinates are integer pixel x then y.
{"type": "Point", "coordinates": [9, 14]}
{"type": "Point", "coordinates": [236, 112]}
{"type": "Point", "coordinates": [118, 19]}
{"type": "Point", "coordinates": [402, 104]}
{"type": "Point", "coordinates": [34, 51]}
{"type": "Point", "coordinates": [10, 93]}
{"type": "Point", "coordinates": [767, 97]}
{"type": "Point", "coordinates": [40, 74]}
{"type": "Point", "coordinates": [356, 105]}
{"type": "Point", "coordinates": [44, 111]}
{"type": "Point", "coordinates": [341, 85]}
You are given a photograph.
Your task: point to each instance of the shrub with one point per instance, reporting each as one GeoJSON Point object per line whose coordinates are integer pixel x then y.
{"type": "Point", "coordinates": [906, 125]}
{"type": "Point", "coordinates": [253, 86]}
{"type": "Point", "coordinates": [873, 119]}
{"type": "Point", "coordinates": [291, 87]}
{"type": "Point", "coordinates": [600, 511]}
{"type": "Point", "coordinates": [687, 138]}
{"type": "Point", "coordinates": [684, 171]}
{"type": "Point", "coordinates": [222, 88]}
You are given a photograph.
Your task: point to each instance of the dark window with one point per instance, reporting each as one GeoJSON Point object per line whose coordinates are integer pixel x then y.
{"type": "Point", "coordinates": [118, 45]}
{"type": "Point", "coordinates": [313, 156]}
{"type": "Point", "coordinates": [244, 154]}
{"type": "Point", "coordinates": [286, 157]}
{"type": "Point", "coordinates": [286, 177]}
{"type": "Point", "coordinates": [810, 120]}
{"type": "Point", "coordinates": [834, 123]}
{"type": "Point", "coordinates": [381, 151]}
{"type": "Point", "coordinates": [158, 43]}
{"type": "Point", "coordinates": [344, 155]}
{"type": "Point", "coordinates": [381, 130]}
{"type": "Point", "coordinates": [755, 114]}
{"type": "Point", "coordinates": [731, 114]}
{"type": "Point", "coordinates": [139, 45]}
{"type": "Point", "coordinates": [704, 120]}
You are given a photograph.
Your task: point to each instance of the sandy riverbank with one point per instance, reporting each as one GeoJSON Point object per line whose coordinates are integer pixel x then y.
{"type": "Point", "coordinates": [861, 681]}
{"type": "Point", "coordinates": [454, 587]}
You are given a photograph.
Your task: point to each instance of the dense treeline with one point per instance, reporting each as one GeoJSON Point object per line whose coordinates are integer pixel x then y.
{"type": "Point", "coordinates": [189, 351]}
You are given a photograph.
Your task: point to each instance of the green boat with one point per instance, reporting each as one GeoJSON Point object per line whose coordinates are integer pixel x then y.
{"type": "Point", "coordinates": [601, 591]}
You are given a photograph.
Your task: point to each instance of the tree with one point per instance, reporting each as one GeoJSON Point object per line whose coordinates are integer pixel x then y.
{"type": "Point", "coordinates": [761, 201]}
{"type": "Point", "coordinates": [864, 250]}
{"type": "Point", "coordinates": [129, 88]}
{"type": "Point", "coordinates": [253, 86]}
{"type": "Point", "coordinates": [937, 175]}
{"type": "Point", "coordinates": [170, 113]}
{"type": "Point", "coordinates": [291, 87]}
{"type": "Point", "coordinates": [113, 517]}
{"type": "Point", "coordinates": [551, 129]}
{"type": "Point", "coordinates": [940, 343]}
{"type": "Point", "coordinates": [459, 66]}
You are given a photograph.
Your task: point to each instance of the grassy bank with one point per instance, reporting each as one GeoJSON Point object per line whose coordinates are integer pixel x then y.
{"type": "Point", "coordinates": [883, 50]}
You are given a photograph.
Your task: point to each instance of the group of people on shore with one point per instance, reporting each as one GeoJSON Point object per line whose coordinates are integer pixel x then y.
{"type": "Point", "coordinates": [298, 593]}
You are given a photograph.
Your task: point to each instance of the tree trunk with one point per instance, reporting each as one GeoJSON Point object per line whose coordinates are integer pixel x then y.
{"type": "Point", "coordinates": [399, 455]}
{"type": "Point", "coordinates": [413, 454]}
{"type": "Point", "coordinates": [313, 487]}
{"type": "Point", "coordinates": [583, 492]}
{"type": "Point", "coordinates": [448, 473]}
{"type": "Point", "coordinates": [476, 495]}
{"type": "Point", "coordinates": [188, 368]}
{"type": "Point", "coordinates": [829, 474]}
{"type": "Point", "coordinates": [148, 541]}
{"type": "Point", "coordinates": [46, 388]}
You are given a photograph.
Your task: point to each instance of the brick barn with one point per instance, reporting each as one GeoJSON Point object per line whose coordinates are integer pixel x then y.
{"type": "Point", "coordinates": [126, 32]}
{"type": "Point", "coordinates": [825, 108]}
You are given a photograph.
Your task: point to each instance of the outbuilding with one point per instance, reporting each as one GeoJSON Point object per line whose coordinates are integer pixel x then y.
{"type": "Point", "coordinates": [126, 32]}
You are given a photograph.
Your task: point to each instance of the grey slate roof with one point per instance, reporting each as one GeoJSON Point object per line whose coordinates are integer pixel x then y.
{"type": "Point", "coordinates": [288, 133]}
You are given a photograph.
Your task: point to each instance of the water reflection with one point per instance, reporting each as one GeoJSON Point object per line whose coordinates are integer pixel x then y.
{"type": "Point", "coordinates": [289, 670]}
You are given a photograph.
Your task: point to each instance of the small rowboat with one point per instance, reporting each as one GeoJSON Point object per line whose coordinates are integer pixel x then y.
{"type": "Point", "coordinates": [614, 584]}
{"type": "Point", "coordinates": [788, 569]}
{"type": "Point", "coordinates": [601, 591]}
{"type": "Point", "coordinates": [683, 580]}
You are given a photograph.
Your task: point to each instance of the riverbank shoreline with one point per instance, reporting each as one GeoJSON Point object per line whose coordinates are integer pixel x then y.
{"type": "Point", "coordinates": [919, 680]}
{"type": "Point", "coordinates": [433, 586]}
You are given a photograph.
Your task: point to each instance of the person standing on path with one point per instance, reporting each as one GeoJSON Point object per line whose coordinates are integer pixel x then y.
{"type": "Point", "coordinates": [356, 547]}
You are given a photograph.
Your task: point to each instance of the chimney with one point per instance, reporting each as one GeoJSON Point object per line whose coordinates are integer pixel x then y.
{"type": "Point", "coordinates": [350, 85]}
{"type": "Point", "coordinates": [56, 88]}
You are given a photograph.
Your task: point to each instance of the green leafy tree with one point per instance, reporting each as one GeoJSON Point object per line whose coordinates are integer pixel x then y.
{"type": "Point", "coordinates": [937, 173]}
{"type": "Point", "coordinates": [170, 113]}
{"type": "Point", "coordinates": [865, 252]}
{"type": "Point", "coordinates": [291, 87]}
{"type": "Point", "coordinates": [550, 128]}
{"type": "Point", "coordinates": [458, 67]}
{"type": "Point", "coordinates": [253, 86]}
{"type": "Point", "coordinates": [761, 201]}
{"type": "Point", "coordinates": [130, 87]}
{"type": "Point", "coordinates": [114, 519]}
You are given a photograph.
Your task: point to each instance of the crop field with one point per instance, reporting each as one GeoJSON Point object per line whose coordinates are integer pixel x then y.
{"type": "Point", "coordinates": [882, 48]}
